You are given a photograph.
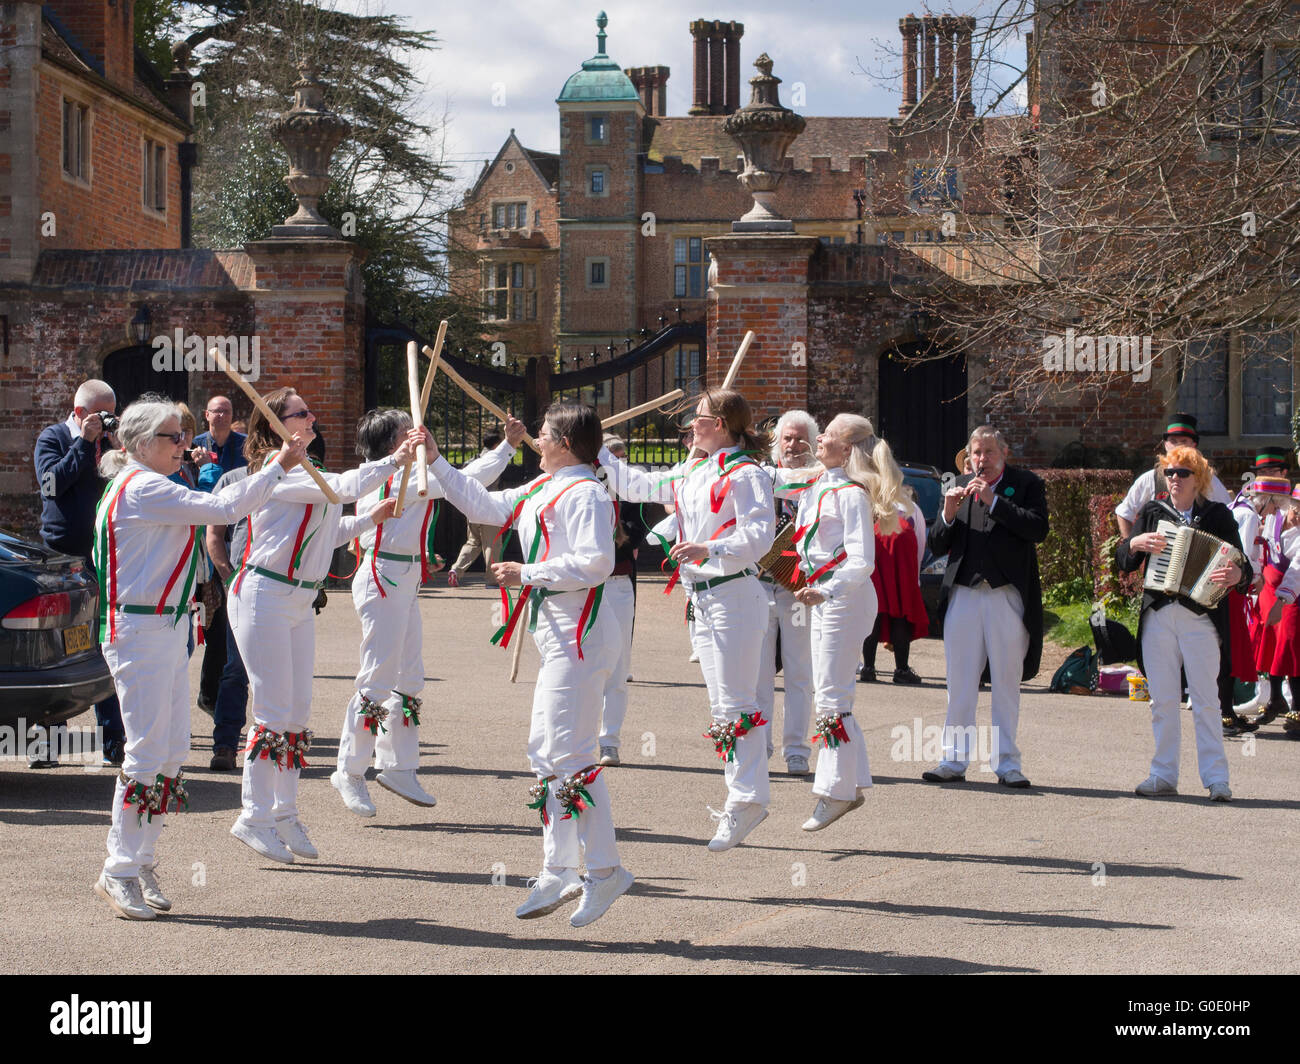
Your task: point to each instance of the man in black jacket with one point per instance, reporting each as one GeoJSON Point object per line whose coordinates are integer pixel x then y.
{"type": "Point", "coordinates": [66, 458]}
{"type": "Point", "coordinates": [991, 521]}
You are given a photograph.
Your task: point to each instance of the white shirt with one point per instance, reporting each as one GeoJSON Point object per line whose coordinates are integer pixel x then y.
{"type": "Point", "coordinates": [151, 529]}
{"type": "Point", "coordinates": [1144, 490]}
{"type": "Point", "coordinates": [918, 529]}
{"type": "Point", "coordinates": [580, 524]}
{"type": "Point", "coordinates": [742, 491]}
{"type": "Point", "coordinates": [298, 515]}
{"type": "Point", "coordinates": [402, 535]}
{"type": "Point", "coordinates": [842, 510]}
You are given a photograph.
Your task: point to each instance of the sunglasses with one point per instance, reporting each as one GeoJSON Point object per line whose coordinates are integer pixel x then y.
{"type": "Point", "coordinates": [1179, 473]}
{"type": "Point", "coordinates": [175, 437]}
{"type": "Point", "coordinates": [301, 413]}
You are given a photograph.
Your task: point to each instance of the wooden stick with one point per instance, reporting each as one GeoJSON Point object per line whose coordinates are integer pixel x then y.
{"type": "Point", "coordinates": [653, 404]}
{"type": "Point", "coordinates": [277, 426]}
{"type": "Point", "coordinates": [730, 378]}
{"type": "Point", "coordinates": [485, 402]}
{"type": "Point", "coordinates": [434, 355]}
{"type": "Point", "coordinates": [519, 649]}
{"type": "Point", "coordinates": [417, 419]}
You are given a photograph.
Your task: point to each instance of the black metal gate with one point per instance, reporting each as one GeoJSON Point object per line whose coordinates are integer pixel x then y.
{"type": "Point", "coordinates": [917, 429]}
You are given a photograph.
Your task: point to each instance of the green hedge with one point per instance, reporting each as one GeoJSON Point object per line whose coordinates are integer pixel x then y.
{"type": "Point", "coordinates": [1066, 560]}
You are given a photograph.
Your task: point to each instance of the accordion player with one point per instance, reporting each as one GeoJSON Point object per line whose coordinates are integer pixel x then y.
{"type": "Point", "coordinates": [1185, 631]}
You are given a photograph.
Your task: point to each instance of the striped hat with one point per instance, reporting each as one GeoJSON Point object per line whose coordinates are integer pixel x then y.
{"type": "Point", "coordinates": [1295, 493]}
{"type": "Point", "coordinates": [1182, 425]}
{"type": "Point", "coordinates": [1271, 486]}
{"type": "Point", "coordinates": [1271, 456]}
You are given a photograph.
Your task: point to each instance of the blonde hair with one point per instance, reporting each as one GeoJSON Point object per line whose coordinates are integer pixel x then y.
{"type": "Point", "coordinates": [189, 423]}
{"type": "Point", "coordinates": [871, 464]}
{"type": "Point", "coordinates": [1190, 458]}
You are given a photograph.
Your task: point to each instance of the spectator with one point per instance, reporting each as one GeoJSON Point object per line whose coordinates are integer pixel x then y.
{"type": "Point", "coordinates": [223, 443]}
{"type": "Point", "coordinates": [229, 692]}
{"type": "Point", "coordinates": [67, 457]}
{"type": "Point", "coordinates": [481, 538]}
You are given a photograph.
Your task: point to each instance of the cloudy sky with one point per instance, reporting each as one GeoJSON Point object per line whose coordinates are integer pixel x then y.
{"type": "Point", "coordinates": [845, 52]}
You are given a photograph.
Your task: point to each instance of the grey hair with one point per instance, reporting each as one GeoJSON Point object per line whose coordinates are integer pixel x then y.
{"type": "Point", "coordinates": [93, 391]}
{"type": "Point", "coordinates": [805, 421]}
{"type": "Point", "coordinates": [379, 432]}
{"type": "Point", "coordinates": [614, 443]}
{"type": "Point", "coordinates": [111, 463]}
{"type": "Point", "coordinates": [142, 419]}
{"type": "Point", "coordinates": [988, 432]}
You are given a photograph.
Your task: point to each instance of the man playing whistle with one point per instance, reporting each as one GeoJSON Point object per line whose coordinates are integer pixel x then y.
{"type": "Point", "coordinates": [991, 521]}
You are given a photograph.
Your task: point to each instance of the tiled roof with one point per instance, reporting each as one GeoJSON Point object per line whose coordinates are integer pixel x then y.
{"type": "Point", "coordinates": [694, 138]}
{"type": "Point", "coordinates": [547, 163]}
{"type": "Point", "coordinates": [159, 268]}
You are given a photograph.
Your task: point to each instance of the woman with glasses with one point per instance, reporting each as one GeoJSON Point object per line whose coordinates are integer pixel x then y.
{"type": "Point", "coordinates": [725, 521]}
{"type": "Point", "coordinates": [1178, 634]}
{"type": "Point", "coordinates": [285, 559]}
{"type": "Point", "coordinates": [146, 556]}
{"type": "Point", "coordinates": [565, 521]}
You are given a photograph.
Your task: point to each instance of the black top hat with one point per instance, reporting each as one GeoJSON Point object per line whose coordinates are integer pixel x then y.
{"type": "Point", "coordinates": [1182, 425]}
{"type": "Point", "coordinates": [1270, 456]}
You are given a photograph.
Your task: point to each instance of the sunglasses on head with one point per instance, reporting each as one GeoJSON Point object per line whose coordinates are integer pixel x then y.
{"type": "Point", "coordinates": [1179, 473]}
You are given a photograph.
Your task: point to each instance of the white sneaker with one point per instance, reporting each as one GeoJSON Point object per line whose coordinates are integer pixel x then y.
{"type": "Point", "coordinates": [353, 790]}
{"type": "Point", "coordinates": [735, 824]}
{"type": "Point", "coordinates": [796, 765]}
{"type": "Point", "coordinates": [1154, 786]}
{"type": "Point", "coordinates": [830, 810]}
{"type": "Point", "coordinates": [599, 894]}
{"type": "Point", "coordinates": [609, 755]}
{"type": "Point", "coordinates": [402, 782]}
{"type": "Point", "coordinates": [152, 890]}
{"type": "Point", "coordinates": [629, 677]}
{"type": "Point", "coordinates": [695, 656]}
{"type": "Point", "coordinates": [124, 897]}
{"type": "Point", "coordinates": [264, 841]}
{"type": "Point", "coordinates": [549, 893]}
{"type": "Point", "coordinates": [294, 836]}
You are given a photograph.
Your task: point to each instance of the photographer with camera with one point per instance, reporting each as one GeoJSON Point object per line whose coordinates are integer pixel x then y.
{"type": "Point", "coordinates": [67, 476]}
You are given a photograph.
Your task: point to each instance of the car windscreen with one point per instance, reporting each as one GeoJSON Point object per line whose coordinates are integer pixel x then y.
{"type": "Point", "coordinates": [929, 493]}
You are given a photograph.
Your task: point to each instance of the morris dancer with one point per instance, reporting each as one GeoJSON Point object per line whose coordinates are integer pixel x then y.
{"type": "Point", "coordinates": [792, 449]}
{"type": "Point", "coordinates": [724, 517]}
{"type": "Point", "coordinates": [285, 560]}
{"type": "Point", "coordinates": [144, 525]}
{"type": "Point", "coordinates": [383, 718]}
{"type": "Point", "coordinates": [1175, 632]}
{"type": "Point", "coordinates": [836, 547]}
{"type": "Point", "coordinates": [1277, 632]}
{"type": "Point", "coordinates": [565, 522]}
{"type": "Point", "coordinates": [1179, 432]}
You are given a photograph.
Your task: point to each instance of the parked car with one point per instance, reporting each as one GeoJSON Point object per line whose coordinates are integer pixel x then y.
{"type": "Point", "coordinates": [927, 483]}
{"type": "Point", "coordinates": [51, 668]}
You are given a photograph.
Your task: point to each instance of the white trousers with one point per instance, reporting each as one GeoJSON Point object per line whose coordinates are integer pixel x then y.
{"type": "Point", "coordinates": [838, 629]}
{"type": "Point", "coordinates": [730, 625]}
{"type": "Point", "coordinates": [792, 620]}
{"type": "Point", "coordinates": [562, 739]}
{"type": "Point", "coordinates": [149, 664]}
{"type": "Point", "coordinates": [275, 629]}
{"type": "Point", "coordinates": [983, 626]}
{"type": "Point", "coordinates": [391, 666]}
{"type": "Point", "coordinates": [1175, 638]}
{"type": "Point", "coordinates": [620, 600]}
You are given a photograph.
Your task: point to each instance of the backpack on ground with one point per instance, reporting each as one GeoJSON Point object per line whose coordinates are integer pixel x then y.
{"type": "Point", "coordinates": [1077, 674]}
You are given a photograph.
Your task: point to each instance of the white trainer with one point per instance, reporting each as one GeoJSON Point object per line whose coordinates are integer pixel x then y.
{"type": "Point", "coordinates": [354, 793]}
{"type": "Point", "coordinates": [599, 894]}
{"type": "Point", "coordinates": [124, 897]}
{"type": "Point", "coordinates": [695, 656]}
{"type": "Point", "coordinates": [264, 841]}
{"type": "Point", "coordinates": [796, 765]}
{"type": "Point", "coordinates": [549, 893]}
{"type": "Point", "coordinates": [1154, 786]}
{"type": "Point", "coordinates": [403, 783]}
{"type": "Point", "coordinates": [830, 810]}
{"type": "Point", "coordinates": [152, 889]}
{"type": "Point", "coordinates": [609, 755]}
{"type": "Point", "coordinates": [735, 824]}
{"type": "Point", "coordinates": [294, 836]}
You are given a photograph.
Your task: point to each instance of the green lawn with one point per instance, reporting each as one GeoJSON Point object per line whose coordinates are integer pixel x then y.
{"type": "Point", "coordinates": [1067, 625]}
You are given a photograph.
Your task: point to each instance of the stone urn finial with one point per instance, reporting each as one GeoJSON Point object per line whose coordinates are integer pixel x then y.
{"type": "Point", "coordinates": [764, 130]}
{"type": "Point", "coordinates": [309, 132]}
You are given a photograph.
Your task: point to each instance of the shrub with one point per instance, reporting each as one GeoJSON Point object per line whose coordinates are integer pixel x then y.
{"type": "Point", "coordinates": [1119, 591]}
{"type": "Point", "coordinates": [1067, 556]}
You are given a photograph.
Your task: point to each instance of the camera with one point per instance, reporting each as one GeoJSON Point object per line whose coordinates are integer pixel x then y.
{"type": "Point", "coordinates": [110, 422]}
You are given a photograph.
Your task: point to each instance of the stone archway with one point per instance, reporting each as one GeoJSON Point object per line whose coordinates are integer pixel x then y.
{"type": "Point", "coordinates": [922, 404]}
{"type": "Point", "coordinates": [130, 372]}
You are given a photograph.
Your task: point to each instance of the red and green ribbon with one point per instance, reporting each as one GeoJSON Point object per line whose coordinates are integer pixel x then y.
{"type": "Point", "coordinates": [725, 733]}
{"type": "Point", "coordinates": [572, 794]}
{"type": "Point", "coordinates": [539, 792]}
{"type": "Point", "coordinates": [372, 716]}
{"type": "Point", "coordinates": [147, 798]}
{"type": "Point", "coordinates": [830, 730]}
{"type": "Point", "coordinates": [297, 746]}
{"type": "Point", "coordinates": [266, 744]}
{"type": "Point", "coordinates": [410, 709]}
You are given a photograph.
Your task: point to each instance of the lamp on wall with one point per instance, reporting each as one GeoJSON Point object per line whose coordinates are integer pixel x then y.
{"type": "Point", "coordinates": [140, 327]}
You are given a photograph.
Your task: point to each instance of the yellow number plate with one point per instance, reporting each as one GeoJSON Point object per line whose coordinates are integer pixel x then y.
{"type": "Point", "coordinates": [76, 639]}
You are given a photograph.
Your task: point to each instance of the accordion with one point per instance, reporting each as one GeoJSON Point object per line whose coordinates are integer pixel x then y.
{"type": "Point", "coordinates": [1185, 565]}
{"type": "Point", "coordinates": [781, 563]}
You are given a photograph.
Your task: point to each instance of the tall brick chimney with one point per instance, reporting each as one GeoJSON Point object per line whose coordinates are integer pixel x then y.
{"type": "Point", "coordinates": [652, 86]}
{"type": "Point", "coordinates": [105, 31]}
{"type": "Point", "coordinates": [965, 103]}
{"type": "Point", "coordinates": [911, 29]}
{"type": "Point", "coordinates": [717, 66]}
{"type": "Point", "coordinates": [946, 26]}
